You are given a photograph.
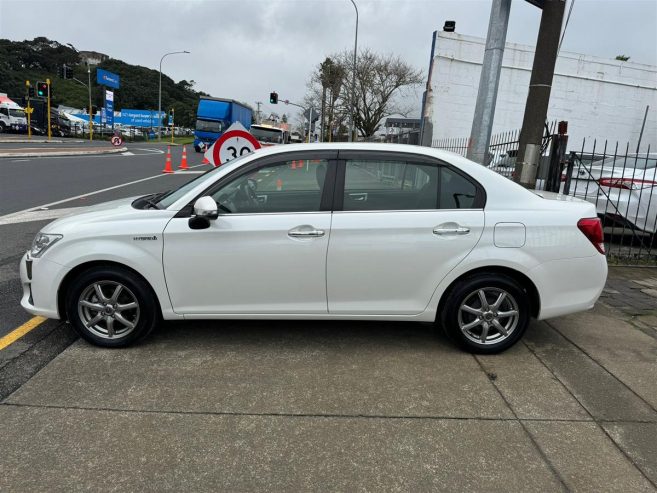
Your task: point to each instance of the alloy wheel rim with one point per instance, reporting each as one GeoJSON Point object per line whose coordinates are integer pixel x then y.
{"type": "Point", "coordinates": [108, 309]}
{"type": "Point", "coordinates": [488, 316]}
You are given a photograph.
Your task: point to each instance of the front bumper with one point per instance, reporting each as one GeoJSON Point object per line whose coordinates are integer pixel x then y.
{"type": "Point", "coordinates": [40, 279]}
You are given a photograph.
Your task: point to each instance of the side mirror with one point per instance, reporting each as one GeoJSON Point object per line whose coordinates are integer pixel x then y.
{"type": "Point", "coordinates": [206, 207]}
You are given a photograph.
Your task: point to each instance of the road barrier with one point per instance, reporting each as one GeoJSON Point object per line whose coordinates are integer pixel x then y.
{"type": "Point", "coordinates": [167, 165]}
{"type": "Point", "coordinates": [183, 161]}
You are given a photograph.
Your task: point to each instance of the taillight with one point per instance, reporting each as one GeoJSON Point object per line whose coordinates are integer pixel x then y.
{"type": "Point", "coordinates": [592, 229]}
{"type": "Point", "coordinates": [626, 183]}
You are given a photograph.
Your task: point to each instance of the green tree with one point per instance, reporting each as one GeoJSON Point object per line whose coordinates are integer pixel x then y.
{"type": "Point", "coordinates": [42, 58]}
{"type": "Point", "coordinates": [379, 80]}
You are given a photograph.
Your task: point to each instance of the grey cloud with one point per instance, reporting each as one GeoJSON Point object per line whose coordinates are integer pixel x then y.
{"type": "Point", "coordinates": [243, 49]}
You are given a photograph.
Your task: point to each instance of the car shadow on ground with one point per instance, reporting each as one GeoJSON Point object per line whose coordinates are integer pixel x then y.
{"type": "Point", "coordinates": [299, 333]}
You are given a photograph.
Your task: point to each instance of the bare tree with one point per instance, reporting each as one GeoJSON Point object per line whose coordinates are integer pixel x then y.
{"type": "Point", "coordinates": [379, 79]}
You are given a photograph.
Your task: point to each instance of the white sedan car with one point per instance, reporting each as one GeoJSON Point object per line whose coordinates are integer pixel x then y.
{"type": "Point", "coordinates": [324, 231]}
{"type": "Point", "coordinates": [623, 188]}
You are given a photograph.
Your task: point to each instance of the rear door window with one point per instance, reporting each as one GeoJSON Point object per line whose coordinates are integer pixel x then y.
{"type": "Point", "coordinates": [397, 185]}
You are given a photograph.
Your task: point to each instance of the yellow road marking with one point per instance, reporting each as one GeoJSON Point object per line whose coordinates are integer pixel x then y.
{"type": "Point", "coordinates": [19, 332]}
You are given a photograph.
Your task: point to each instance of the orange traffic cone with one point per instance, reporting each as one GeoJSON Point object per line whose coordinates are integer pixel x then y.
{"type": "Point", "coordinates": [205, 160]}
{"type": "Point", "coordinates": [183, 162]}
{"type": "Point", "coordinates": [167, 166]}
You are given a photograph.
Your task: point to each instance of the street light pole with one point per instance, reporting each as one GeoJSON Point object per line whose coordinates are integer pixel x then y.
{"type": "Point", "coordinates": [159, 100]}
{"type": "Point", "coordinates": [353, 79]}
{"type": "Point", "coordinates": [91, 121]}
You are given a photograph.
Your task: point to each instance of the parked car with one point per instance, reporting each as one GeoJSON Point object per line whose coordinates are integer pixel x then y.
{"type": "Point", "coordinates": [416, 234]}
{"type": "Point", "coordinates": [623, 188]}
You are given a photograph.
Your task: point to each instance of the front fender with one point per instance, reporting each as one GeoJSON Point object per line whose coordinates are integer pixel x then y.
{"type": "Point", "coordinates": [144, 257]}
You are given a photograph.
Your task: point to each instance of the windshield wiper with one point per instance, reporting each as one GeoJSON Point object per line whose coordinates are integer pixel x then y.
{"type": "Point", "coordinates": [152, 199]}
{"type": "Point", "coordinates": [151, 203]}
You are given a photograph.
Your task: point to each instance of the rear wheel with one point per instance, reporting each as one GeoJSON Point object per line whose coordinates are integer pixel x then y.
{"type": "Point", "coordinates": [111, 307]}
{"type": "Point", "coordinates": [487, 313]}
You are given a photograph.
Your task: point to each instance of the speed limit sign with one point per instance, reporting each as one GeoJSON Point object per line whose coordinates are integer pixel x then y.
{"type": "Point", "coordinates": [235, 142]}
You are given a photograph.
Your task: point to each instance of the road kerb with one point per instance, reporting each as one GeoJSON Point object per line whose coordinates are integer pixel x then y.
{"type": "Point", "coordinates": [115, 150]}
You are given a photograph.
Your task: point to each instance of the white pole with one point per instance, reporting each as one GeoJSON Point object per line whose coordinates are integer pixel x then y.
{"type": "Point", "coordinates": [159, 99]}
{"type": "Point", "coordinates": [353, 79]}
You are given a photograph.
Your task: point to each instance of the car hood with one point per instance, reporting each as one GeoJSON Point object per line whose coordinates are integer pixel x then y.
{"type": "Point", "coordinates": [116, 211]}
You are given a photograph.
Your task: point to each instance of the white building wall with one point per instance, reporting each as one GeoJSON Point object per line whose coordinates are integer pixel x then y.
{"type": "Point", "coordinates": [601, 99]}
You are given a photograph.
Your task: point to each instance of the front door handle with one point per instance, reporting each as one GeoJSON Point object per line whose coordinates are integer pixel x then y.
{"type": "Point", "coordinates": [450, 229]}
{"type": "Point", "coordinates": [306, 231]}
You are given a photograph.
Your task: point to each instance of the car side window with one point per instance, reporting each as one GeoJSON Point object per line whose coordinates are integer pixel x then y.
{"type": "Point", "coordinates": [390, 185]}
{"type": "Point", "coordinates": [288, 186]}
{"type": "Point", "coordinates": [372, 185]}
{"type": "Point", "coordinates": [456, 191]}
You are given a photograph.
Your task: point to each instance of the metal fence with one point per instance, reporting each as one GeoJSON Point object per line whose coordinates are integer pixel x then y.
{"type": "Point", "coordinates": [620, 183]}
{"type": "Point", "coordinates": [623, 186]}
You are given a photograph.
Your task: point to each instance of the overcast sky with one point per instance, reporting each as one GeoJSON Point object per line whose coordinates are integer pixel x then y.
{"type": "Point", "coordinates": [243, 49]}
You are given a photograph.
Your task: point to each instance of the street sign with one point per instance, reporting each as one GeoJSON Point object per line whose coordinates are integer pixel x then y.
{"type": "Point", "coordinates": [109, 107]}
{"type": "Point", "coordinates": [235, 142]}
{"type": "Point", "coordinates": [105, 78]}
{"type": "Point", "coordinates": [116, 141]}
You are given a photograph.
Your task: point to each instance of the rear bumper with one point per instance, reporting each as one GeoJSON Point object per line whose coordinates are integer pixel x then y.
{"type": "Point", "coordinates": [569, 285]}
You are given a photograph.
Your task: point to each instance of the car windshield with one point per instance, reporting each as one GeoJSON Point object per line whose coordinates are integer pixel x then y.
{"type": "Point", "coordinates": [17, 113]}
{"type": "Point", "coordinates": [272, 135]}
{"type": "Point", "coordinates": [170, 197]}
{"type": "Point", "coordinates": [629, 162]}
{"type": "Point", "coordinates": [210, 126]}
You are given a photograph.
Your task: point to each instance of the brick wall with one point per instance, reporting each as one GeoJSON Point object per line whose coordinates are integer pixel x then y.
{"type": "Point", "coordinates": [601, 99]}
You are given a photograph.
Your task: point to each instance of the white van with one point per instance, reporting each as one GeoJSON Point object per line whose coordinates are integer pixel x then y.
{"type": "Point", "coordinates": [12, 116]}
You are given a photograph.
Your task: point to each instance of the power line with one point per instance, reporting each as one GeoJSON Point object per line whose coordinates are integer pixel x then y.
{"type": "Point", "coordinates": [572, 2]}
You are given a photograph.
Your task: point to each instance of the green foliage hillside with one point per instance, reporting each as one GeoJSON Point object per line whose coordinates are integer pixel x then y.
{"type": "Point", "coordinates": [42, 58]}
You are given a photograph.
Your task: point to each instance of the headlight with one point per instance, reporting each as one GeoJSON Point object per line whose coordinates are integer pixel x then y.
{"type": "Point", "coordinates": [42, 242]}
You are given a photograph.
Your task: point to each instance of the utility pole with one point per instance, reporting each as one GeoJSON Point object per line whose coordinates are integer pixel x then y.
{"type": "Point", "coordinates": [28, 110]}
{"type": "Point", "coordinates": [540, 85]}
{"type": "Point", "coordinates": [482, 124]}
{"type": "Point", "coordinates": [353, 81]}
{"type": "Point", "coordinates": [258, 112]}
{"type": "Point", "coordinates": [48, 101]}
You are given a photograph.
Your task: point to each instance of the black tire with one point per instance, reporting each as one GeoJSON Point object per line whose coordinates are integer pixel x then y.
{"type": "Point", "coordinates": [146, 316]}
{"type": "Point", "coordinates": [466, 292]}
{"type": "Point", "coordinates": [2, 127]}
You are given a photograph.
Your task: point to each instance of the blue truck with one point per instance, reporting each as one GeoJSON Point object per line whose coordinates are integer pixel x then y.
{"type": "Point", "coordinates": [214, 116]}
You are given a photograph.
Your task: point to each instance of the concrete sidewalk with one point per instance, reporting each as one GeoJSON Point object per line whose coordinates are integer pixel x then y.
{"type": "Point", "coordinates": [309, 406]}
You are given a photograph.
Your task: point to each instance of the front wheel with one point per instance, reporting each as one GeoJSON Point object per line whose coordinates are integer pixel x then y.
{"type": "Point", "coordinates": [111, 307]}
{"type": "Point", "coordinates": [486, 313]}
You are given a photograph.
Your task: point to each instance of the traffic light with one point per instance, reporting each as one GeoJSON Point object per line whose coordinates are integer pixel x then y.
{"type": "Point", "coordinates": [94, 110]}
{"type": "Point", "coordinates": [30, 91]}
{"type": "Point", "coordinates": [65, 72]}
{"type": "Point", "coordinates": [42, 89]}
{"type": "Point", "coordinates": [273, 98]}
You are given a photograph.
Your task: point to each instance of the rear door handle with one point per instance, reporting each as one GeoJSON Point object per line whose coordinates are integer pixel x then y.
{"type": "Point", "coordinates": [306, 231]}
{"type": "Point", "coordinates": [450, 230]}
{"type": "Point", "coordinates": [358, 197]}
